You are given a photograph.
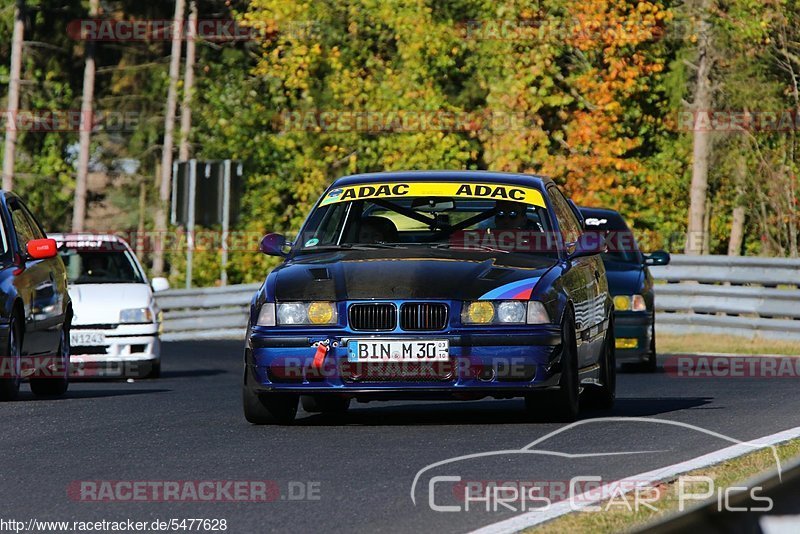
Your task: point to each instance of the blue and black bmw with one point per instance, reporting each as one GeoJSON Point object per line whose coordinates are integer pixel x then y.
{"type": "Point", "coordinates": [631, 286]}
{"type": "Point", "coordinates": [432, 285]}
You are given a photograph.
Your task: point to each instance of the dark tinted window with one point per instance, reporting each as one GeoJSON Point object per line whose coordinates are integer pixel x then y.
{"type": "Point", "coordinates": [621, 242]}
{"type": "Point", "coordinates": [22, 227]}
{"type": "Point", "coordinates": [567, 222]}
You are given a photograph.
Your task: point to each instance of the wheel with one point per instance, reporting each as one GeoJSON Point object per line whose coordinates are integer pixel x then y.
{"type": "Point", "coordinates": [651, 364]}
{"type": "Point", "coordinates": [10, 369]}
{"type": "Point", "coordinates": [325, 404]}
{"type": "Point", "coordinates": [266, 408]}
{"type": "Point", "coordinates": [602, 396]}
{"type": "Point", "coordinates": [155, 370]}
{"type": "Point", "coordinates": [560, 405]}
{"type": "Point", "coordinates": [52, 386]}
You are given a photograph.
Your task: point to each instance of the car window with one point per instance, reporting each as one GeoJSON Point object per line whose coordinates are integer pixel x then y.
{"type": "Point", "coordinates": [35, 227]}
{"type": "Point", "coordinates": [432, 214]}
{"type": "Point", "coordinates": [620, 240]}
{"type": "Point", "coordinates": [22, 227]}
{"type": "Point", "coordinates": [567, 222]}
{"type": "Point", "coordinates": [100, 266]}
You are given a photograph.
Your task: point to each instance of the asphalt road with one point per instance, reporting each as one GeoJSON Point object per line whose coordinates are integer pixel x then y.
{"type": "Point", "coordinates": [359, 468]}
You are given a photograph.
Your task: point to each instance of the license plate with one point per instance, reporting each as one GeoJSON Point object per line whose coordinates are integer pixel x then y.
{"type": "Point", "coordinates": [368, 350]}
{"type": "Point", "coordinates": [87, 339]}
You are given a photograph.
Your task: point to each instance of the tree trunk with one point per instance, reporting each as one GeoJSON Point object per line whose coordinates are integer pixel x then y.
{"type": "Point", "coordinates": [701, 149]}
{"type": "Point", "coordinates": [706, 233]}
{"type": "Point", "coordinates": [169, 127]}
{"type": "Point", "coordinates": [15, 73]}
{"type": "Point", "coordinates": [188, 84]}
{"type": "Point", "coordinates": [141, 247]}
{"type": "Point", "coordinates": [737, 232]}
{"type": "Point", "coordinates": [87, 110]}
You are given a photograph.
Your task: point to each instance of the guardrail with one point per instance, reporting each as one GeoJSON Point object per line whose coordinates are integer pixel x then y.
{"type": "Point", "coordinates": [206, 313]}
{"type": "Point", "coordinates": [747, 297]}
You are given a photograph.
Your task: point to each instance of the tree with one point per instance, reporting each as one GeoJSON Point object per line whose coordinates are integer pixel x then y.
{"type": "Point", "coordinates": [13, 96]}
{"type": "Point", "coordinates": [87, 113]}
{"type": "Point", "coordinates": [703, 100]}
{"type": "Point", "coordinates": [169, 127]}
{"type": "Point", "coordinates": [188, 83]}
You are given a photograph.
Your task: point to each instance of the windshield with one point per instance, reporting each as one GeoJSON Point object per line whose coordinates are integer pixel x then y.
{"type": "Point", "coordinates": [86, 266]}
{"type": "Point", "coordinates": [622, 246]}
{"type": "Point", "coordinates": [458, 216]}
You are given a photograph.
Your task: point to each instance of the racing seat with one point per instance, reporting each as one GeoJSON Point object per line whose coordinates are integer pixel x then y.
{"type": "Point", "coordinates": [377, 230]}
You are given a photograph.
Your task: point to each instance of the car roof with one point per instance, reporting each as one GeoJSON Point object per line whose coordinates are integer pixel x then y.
{"type": "Point", "coordinates": [445, 176]}
{"type": "Point", "coordinates": [604, 212]}
{"type": "Point", "coordinates": [85, 236]}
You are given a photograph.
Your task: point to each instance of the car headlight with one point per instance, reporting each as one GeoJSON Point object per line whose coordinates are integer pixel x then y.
{"type": "Point", "coordinates": [511, 311]}
{"type": "Point", "coordinates": [481, 312]}
{"type": "Point", "coordinates": [310, 313]}
{"type": "Point", "coordinates": [136, 316]}
{"type": "Point", "coordinates": [537, 313]}
{"type": "Point", "coordinates": [504, 312]}
{"type": "Point", "coordinates": [629, 303]}
{"type": "Point", "coordinates": [321, 313]}
{"type": "Point", "coordinates": [266, 316]}
{"type": "Point", "coordinates": [622, 303]}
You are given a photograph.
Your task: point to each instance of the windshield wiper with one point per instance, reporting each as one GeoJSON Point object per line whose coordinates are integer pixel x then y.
{"type": "Point", "coordinates": [464, 246]}
{"type": "Point", "coordinates": [355, 246]}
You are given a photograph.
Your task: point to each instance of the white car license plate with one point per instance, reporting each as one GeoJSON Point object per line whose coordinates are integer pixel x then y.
{"type": "Point", "coordinates": [371, 350]}
{"type": "Point", "coordinates": [87, 339]}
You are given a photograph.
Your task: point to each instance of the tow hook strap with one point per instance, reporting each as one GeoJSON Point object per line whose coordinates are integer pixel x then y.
{"type": "Point", "coordinates": [319, 356]}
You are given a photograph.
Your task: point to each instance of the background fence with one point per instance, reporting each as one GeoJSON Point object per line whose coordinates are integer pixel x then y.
{"type": "Point", "coordinates": [747, 297]}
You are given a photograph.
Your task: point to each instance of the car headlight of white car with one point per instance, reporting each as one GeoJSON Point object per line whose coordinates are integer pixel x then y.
{"type": "Point", "coordinates": [136, 316]}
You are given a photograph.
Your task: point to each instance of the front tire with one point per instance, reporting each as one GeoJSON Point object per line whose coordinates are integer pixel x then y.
{"type": "Point", "coordinates": [602, 396]}
{"type": "Point", "coordinates": [12, 362]}
{"type": "Point", "coordinates": [54, 386]}
{"type": "Point", "coordinates": [651, 364]}
{"type": "Point", "coordinates": [155, 370]}
{"type": "Point", "coordinates": [269, 408]}
{"type": "Point", "coordinates": [560, 405]}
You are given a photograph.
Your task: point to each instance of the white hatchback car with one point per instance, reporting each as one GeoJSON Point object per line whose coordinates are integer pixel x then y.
{"type": "Point", "coordinates": [116, 323]}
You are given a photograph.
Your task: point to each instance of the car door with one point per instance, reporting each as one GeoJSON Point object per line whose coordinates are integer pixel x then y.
{"type": "Point", "coordinates": [584, 278]}
{"type": "Point", "coordinates": [44, 304]}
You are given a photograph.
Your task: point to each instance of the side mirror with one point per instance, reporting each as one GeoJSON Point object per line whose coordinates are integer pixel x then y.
{"type": "Point", "coordinates": [159, 284]}
{"type": "Point", "coordinates": [273, 244]}
{"type": "Point", "coordinates": [589, 244]}
{"type": "Point", "coordinates": [42, 249]}
{"type": "Point", "coordinates": [658, 257]}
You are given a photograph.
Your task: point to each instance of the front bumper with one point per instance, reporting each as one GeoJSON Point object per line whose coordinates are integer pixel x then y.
{"type": "Point", "coordinates": [633, 332]}
{"type": "Point", "coordinates": [129, 351]}
{"type": "Point", "coordinates": [495, 363]}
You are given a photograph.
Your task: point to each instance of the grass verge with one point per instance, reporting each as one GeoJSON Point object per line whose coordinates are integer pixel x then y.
{"type": "Point", "coordinates": [618, 518]}
{"type": "Point", "coordinates": [694, 343]}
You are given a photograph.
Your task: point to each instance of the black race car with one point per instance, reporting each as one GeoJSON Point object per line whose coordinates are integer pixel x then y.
{"type": "Point", "coordinates": [431, 285]}
{"type": "Point", "coordinates": [631, 286]}
{"type": "Point", "coordinates": [35, 308]}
